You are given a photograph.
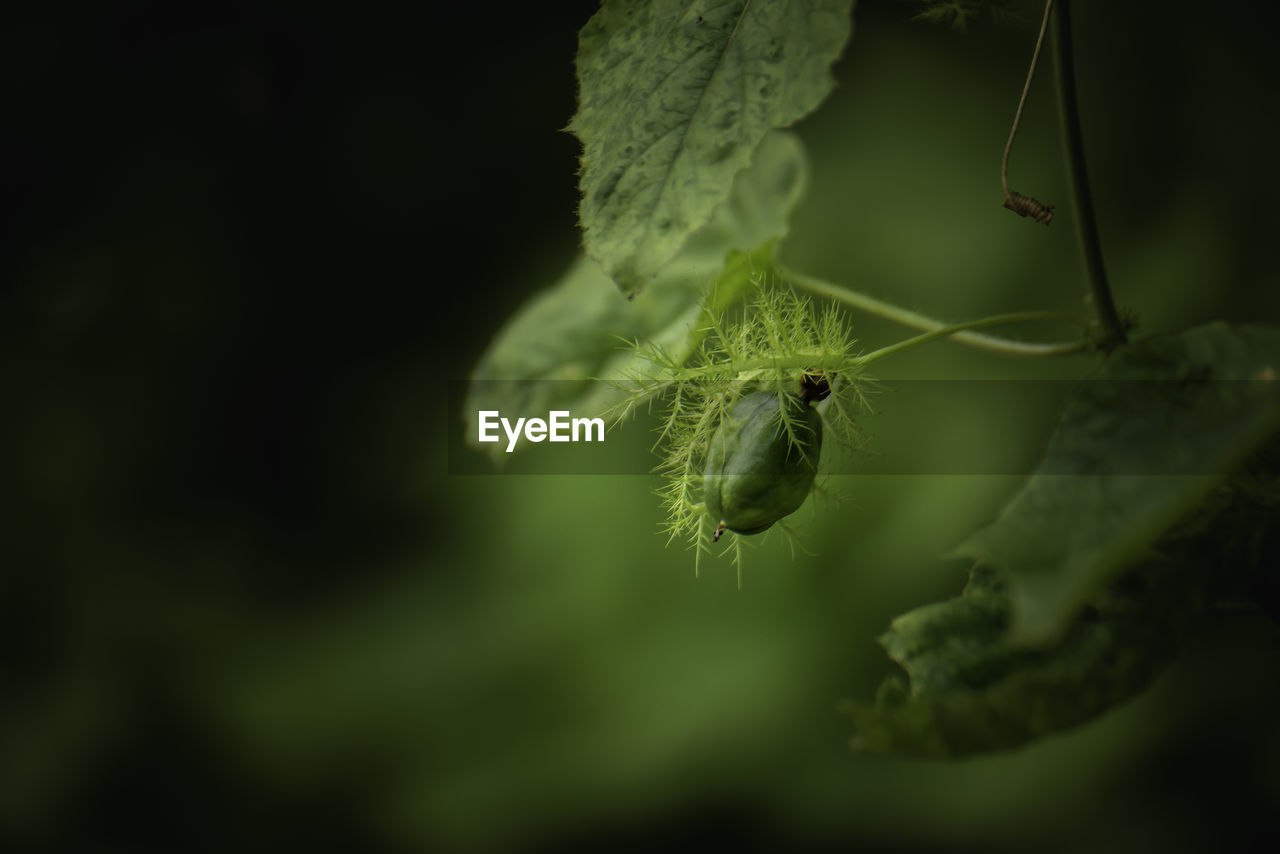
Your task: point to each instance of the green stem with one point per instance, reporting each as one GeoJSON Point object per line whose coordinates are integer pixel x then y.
{"type": "Point", "coordinates": [802, 359]}
{"type": "Point", "coordinates": [1073, 141]}
{"type": "Point", "coordinates": [958, 329]}
{"type": "Point", "coordinates": [915, 320]}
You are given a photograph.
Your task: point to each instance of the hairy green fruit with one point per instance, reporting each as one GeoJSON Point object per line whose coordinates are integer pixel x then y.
{"type": "Point", "coordinates": [760, 465]}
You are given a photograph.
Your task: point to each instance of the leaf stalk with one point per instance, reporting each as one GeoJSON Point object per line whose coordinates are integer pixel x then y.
{"type": "Point", "coordinates": [937, 328]}
{"type": "Point", "coordinates": [958, 329]}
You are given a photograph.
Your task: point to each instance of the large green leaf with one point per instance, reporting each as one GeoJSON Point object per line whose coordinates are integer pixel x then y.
{"type": "Point", "coordinates": [1138, 446]}
{"type": "Point", "coordinates": [973, 689]}
{"type": "Point", "coordinates": [554, 350]}
{"type": "Point", "coordinates": [1159, 484]}
{"type": "Point", "coordinates": [674, 98]}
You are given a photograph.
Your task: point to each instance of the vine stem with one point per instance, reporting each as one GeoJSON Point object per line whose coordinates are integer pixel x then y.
{"type": "Point", "coordinates": [937, 328]}
{"type": "Point", "coordinates": [803, 359]}
{"type": "Point", "coordinates": [1073, 141]}
{"type": "Point", "coordinates": [960, 328]}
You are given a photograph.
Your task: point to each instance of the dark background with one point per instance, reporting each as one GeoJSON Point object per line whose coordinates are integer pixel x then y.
{"type": "Point", "coordinates": [243, 249]}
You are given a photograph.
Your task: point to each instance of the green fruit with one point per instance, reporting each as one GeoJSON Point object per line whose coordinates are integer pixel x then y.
{"type": "Point", "coordinates": [756, 473]}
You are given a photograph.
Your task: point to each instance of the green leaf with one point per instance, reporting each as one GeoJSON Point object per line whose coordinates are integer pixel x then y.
{"type": "Point", "coordinates": [551, 353]}
{"type": "Point", "coordinates": [1137, 448]}
{"type": "Point", "coordinates": [674, 99]}
{"type": "Point", "coordinates": [973, 690]}
{"type": "Point", "coordinates": [1122, 583]}
{"type": "Point", "coordinates": [757, 212]}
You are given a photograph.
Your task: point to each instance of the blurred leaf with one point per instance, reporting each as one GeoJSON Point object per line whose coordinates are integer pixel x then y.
{"type": "Point", "coordinates": [1137, 447]}
{"type": "Point", "coordinates": [1083, 587]}
{"type": "Point", "coordinates": [674, 99]}
{"type": "Point", "coordinates": [972, 689]}
{"type": "Point", "coordinates": [552, 351]}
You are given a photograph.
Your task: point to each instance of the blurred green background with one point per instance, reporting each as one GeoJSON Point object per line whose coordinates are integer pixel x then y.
{"type": "Point", "coordinates": [243, 603]}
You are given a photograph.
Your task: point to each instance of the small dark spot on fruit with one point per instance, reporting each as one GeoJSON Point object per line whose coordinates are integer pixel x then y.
{"type": "Point", "coordinates": [814, 386]}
